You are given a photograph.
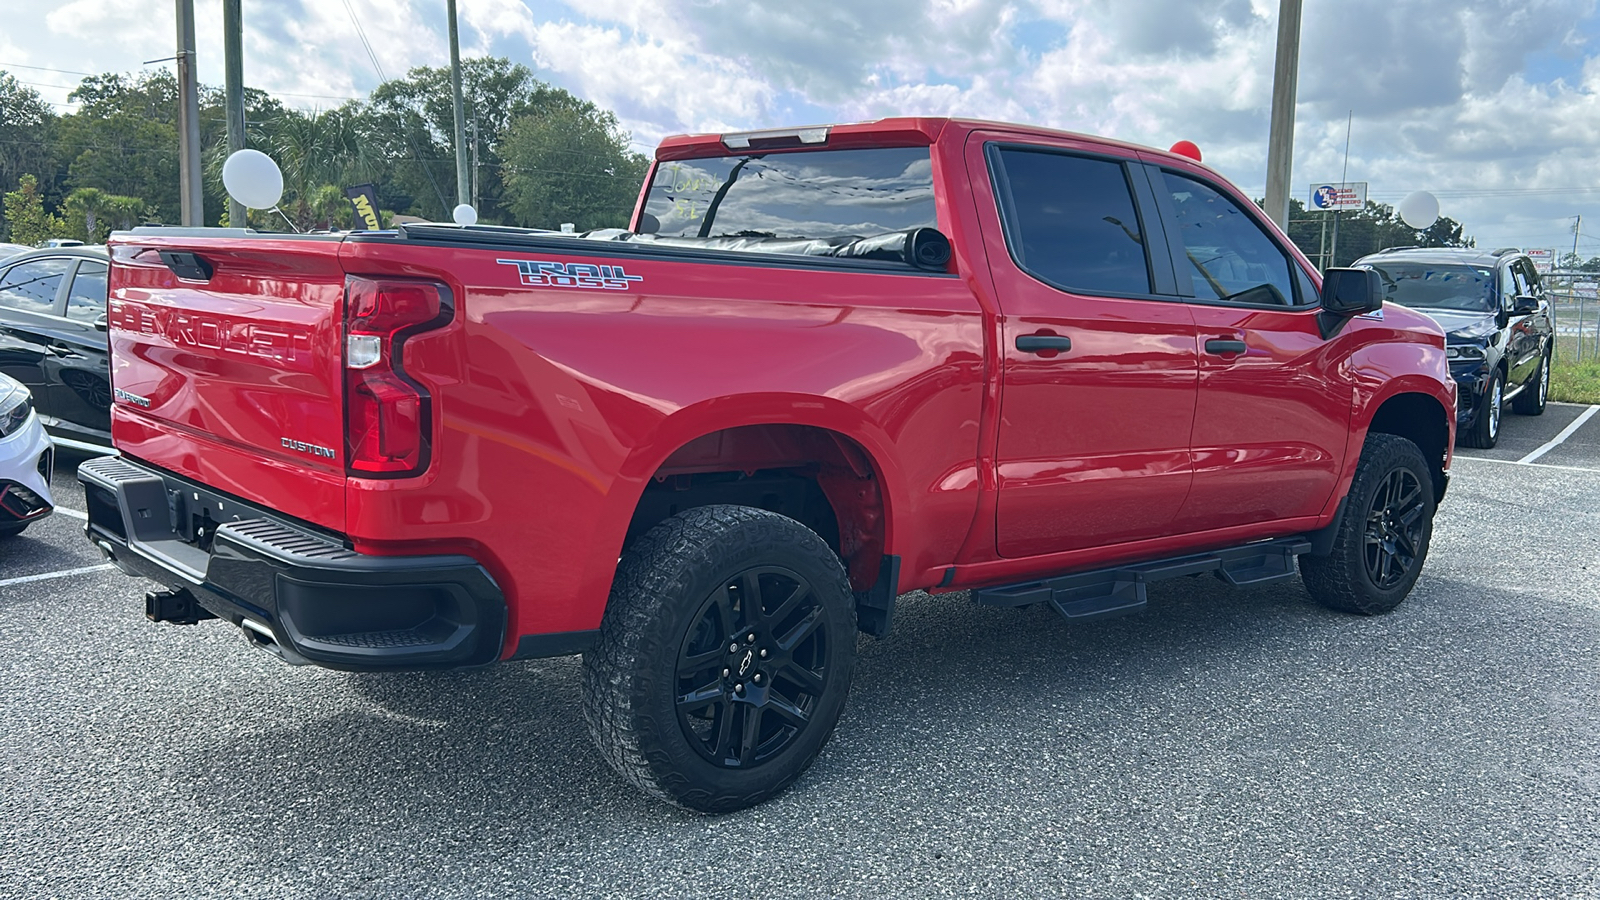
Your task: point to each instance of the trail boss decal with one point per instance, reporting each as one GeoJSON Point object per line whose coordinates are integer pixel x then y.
{"type": "Point", "coordinates": [541, 273]}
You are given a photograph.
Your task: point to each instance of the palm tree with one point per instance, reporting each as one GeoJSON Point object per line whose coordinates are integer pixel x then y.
{"type": "Point", "coordinates": [87, 204]}
{"type": "Point", "coordinates": [314, 150]}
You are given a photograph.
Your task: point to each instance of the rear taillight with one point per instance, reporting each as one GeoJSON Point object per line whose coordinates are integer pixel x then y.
{"type": "Point", "coordinates": [388, 418]}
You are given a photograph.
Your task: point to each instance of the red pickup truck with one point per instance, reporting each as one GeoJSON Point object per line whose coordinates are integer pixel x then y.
{"type": "Point", "coordinates": [823, 367]}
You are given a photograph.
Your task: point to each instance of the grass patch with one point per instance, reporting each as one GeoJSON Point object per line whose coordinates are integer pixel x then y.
{"type": "Point", "coordinates": [1575, 382]}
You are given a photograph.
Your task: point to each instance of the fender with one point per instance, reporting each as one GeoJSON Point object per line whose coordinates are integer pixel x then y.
{"type": "Point", "coordinates": [1427, 375]}
{"type": "Point", "coordinates": [713, 415]}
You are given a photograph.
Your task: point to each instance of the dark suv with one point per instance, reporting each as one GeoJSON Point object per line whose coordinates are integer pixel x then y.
{"type": "Point", "coordinates": [1499, 336]}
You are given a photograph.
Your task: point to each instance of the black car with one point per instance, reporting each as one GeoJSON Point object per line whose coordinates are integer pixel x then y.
{"type": "Point", "coordinates": [53, 339]}
{"type": "Point", "coordinates": [1499, 335]}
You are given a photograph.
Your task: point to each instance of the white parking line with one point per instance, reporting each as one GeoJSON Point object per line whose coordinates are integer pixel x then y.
{"type": "Point", "coordinates": [1511, 462]}
{"type": "Point", "coordinates": [64, 573]}
{"type": "Point", "coordinates": [1566, 432]}
{"type": "Point", "coordinates": [73, 513]}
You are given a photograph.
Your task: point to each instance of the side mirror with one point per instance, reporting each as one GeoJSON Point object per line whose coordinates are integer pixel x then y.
{"type": "Point", "coordinates": [1347, 293]}
{"type": "Point", "coordinates": [1525, 306]}
{"type": "Point", "coordinates": [101, 323]}
{"type": "Point", "coordinates": [1351, 292]}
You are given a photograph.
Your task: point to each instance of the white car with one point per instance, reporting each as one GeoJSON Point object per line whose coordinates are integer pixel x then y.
{"type": "Point", "coordinates": [26, 456]}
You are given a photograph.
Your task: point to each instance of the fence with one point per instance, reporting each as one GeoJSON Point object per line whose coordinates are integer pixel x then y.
{"type": "Point", "coordinates": [1577, 324]}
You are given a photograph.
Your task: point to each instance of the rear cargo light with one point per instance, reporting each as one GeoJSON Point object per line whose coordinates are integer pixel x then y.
{"type": "Point", "coordinates": [388, 418]}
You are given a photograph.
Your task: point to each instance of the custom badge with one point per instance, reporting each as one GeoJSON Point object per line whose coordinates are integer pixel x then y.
{"type": "Point", "coordinates": [544, 273]}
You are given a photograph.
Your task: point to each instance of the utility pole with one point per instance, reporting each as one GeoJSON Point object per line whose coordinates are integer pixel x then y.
{"type": "Point", "coordinates": [191, 200]}
{"type": "Point", "coordinates": [233, 92]}
{"type": "Point", "coordinates": [463, 190]}
{"type": "Point", "coordinates": [1577, 227]}
{"type": "Point", "coordinates": [1280, 140]}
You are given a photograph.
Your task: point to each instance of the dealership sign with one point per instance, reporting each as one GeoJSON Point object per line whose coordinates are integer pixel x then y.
{"type": "Point", "coordinates": [1339, 195]}
{"type": "Point", "coordinates": [1543, 260]}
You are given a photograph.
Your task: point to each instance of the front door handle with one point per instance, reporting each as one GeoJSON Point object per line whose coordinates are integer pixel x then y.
{"type": "Point", "coordinates": [1224, 346]}
{"type": "Point", "coordinates": [1042, 343]}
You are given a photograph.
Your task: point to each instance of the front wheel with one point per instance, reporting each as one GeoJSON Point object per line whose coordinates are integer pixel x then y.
{"type": "Point", "coordinates": [724, 657]}
{"type": "Point", "coordinates": [1383, 536]}
{"type": "Point", "coordinates": [13, 530]}
{"type": "Point", "coordinates": [1532, 399]}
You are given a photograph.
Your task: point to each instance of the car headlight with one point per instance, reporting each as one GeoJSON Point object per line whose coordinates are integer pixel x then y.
{"type": "Point", "coordinates": [1463, 352]}
{"type": "Point", "coordinates": [16, 405]}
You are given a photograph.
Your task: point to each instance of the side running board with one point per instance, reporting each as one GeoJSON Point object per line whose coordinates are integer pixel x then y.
{"type": "Point", "coordinates": [1121, 590]}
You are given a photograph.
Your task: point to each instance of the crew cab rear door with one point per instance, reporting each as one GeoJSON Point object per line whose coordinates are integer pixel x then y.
{"type": "Point", "coordinates": [1273, 411]}
{"type": "Point", "coordinates": [228, 362]}
{"type": "Point", "coordinates": [1099, 361]}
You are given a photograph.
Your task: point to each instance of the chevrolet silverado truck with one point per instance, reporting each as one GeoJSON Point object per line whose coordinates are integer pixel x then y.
{"type": "Point", "coordinates": [821, 368]}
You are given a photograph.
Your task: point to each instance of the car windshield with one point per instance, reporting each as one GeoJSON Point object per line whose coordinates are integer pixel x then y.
{"type": "Point", "coordinates": [1438, 286]}
{"type": "Point", "coordinates": [814, 194]}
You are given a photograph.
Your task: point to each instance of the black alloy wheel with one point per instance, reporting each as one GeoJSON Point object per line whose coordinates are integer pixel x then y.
{"type": "Point", "coordinates": [753, 667]}
{"type": "Point", "coordinates": [1380, 542]}
{"type": "Point", "coordinates": [1394, 529]}
{"type": "Point", "coordinates": [1485, 430]}
{"type": "Point", "coordinates": [724, 657]}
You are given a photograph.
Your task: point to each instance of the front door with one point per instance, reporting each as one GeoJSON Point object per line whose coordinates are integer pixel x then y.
{"type": "Point", "coordinates": [1273, 411]}
{"type": "Point", "coordinates": [1099, 369]}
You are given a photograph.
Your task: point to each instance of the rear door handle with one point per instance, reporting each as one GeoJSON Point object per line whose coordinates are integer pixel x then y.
{"type": "Point", "coordinates": [1040, 343]}
{"type": "Point", "coordinates": [1224, 346]}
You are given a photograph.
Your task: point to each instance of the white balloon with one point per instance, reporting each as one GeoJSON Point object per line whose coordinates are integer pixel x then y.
{"type": "Point", "coordinates": [253, 179]}
{"type": "Point", "coordinates": [1419, 209]}
{"type": "Point", "coordinates": [464, 214]}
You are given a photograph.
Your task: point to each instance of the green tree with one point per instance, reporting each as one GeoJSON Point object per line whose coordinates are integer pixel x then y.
{"type": "Point", "coordinates": [410, 122]}
{"type": "Point", "coordinates": [27, 127]}
{"type": "Point", "coordinates": [24, 209]}
{"type": "Point", "coordinates": [86, 205]}
{"type": "Point", "coordinates": [124, 138]}
{"type": "Point", "coordinates": [315, 151]}
{"type": "Point", "coordinates": [1367, 230]}
{"type": "Point", "coordinates": [570, 165]}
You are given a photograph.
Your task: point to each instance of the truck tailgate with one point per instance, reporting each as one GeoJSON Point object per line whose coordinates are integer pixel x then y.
{"type": "Point", "coordinates": [228, 365]}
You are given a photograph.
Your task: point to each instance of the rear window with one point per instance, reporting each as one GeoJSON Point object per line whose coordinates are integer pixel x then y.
{"type": "Point", "coordinates": [816, 194]}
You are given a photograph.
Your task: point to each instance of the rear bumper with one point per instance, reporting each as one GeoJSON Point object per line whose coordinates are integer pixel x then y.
{"type": "Point", "coordinates": [294, 590]}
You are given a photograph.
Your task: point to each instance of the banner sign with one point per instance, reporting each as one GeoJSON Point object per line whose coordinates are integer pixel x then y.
{"type": "Point", "coordinates": [1339, 195]}
{"type": "Point", "coordinates": [364, 198]}
{"type": "Point", "coordinates": [1544, 261]}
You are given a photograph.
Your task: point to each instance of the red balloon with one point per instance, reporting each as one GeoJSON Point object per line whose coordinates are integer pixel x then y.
{"type": "Point", "coordinates": [1187, 148]}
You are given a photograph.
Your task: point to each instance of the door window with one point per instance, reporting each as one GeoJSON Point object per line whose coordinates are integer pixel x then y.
{"type": "Point", "coordinates": [1230, 257]}
{"type": "Point", "coordinates": [86, 299]}
{"type": "Point", "coordinates": [32, 286]}
{"type": "Point", "coordinates": [1071, 221]}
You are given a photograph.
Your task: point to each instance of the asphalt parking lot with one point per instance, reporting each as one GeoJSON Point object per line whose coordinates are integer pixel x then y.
{"type": "Point", "coordinates": [1228, 742]}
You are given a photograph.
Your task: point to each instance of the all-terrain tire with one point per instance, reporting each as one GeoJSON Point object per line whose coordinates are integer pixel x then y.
{"type": "Point", "coordinates": [717, 579]}
{"type": "Point", "coordinates": [1485, 430]}
{"type": "Point", "coordinates": [1380, 517]}
{"type": "Point", "coordinates": [1532, 399]}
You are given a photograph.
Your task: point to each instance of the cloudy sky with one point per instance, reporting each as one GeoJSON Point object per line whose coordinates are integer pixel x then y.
{"type": "Point", "coordinates": [1494, 105]}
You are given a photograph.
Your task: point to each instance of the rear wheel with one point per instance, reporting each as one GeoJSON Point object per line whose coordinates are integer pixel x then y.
{"type": "Point", "coordinates": [724, 657]}
{"type": "Point", "coordinates": [1532, 399]}
{"type": "Point", "coordinates": [1485, 430]}
{"type": "Point", "coordinates": [1383, 536]}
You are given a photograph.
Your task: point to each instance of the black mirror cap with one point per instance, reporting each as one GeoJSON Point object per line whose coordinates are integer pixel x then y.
{"type": "Point", "coordinates": [1525, 306]}
{"type": "Point", "coordinates": [1351, 292]}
